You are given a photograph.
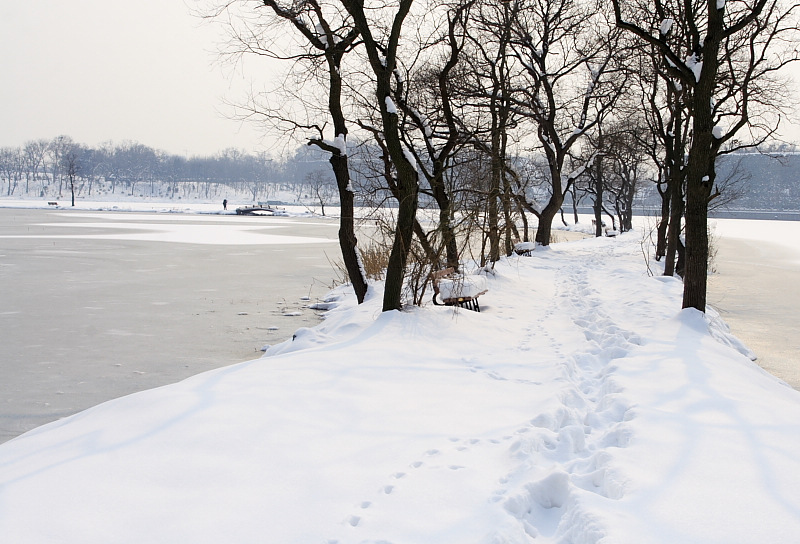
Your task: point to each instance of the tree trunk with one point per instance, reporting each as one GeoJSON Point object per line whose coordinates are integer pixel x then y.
{"type": "Point", "coordinates": [600, 185]}
{"type": "Point", "coordinates": [383, 60]}
{"type": "Point", "coordinates": [545, 228]}
{"type": "Point", "coordinates": [492, 201]}
{"type": "Point", "coordinates": [574, 193]}
{"type": "Point", "coordinates": [508, 217]}
{"type": "Point", "coordinates": [398, 258]}
{"type": "Point", "coordinates": [661, 232]}
{"type": "Point", "coordinates": [348, 243]}
{"type": "Point", "coordinates": [695, 279]}
{"type": "Point", "coordinates": [445, 211]}
{"type": "Point", "coordinates": [699, 170]}
{"type": "Point", "coordinates": [427, 248]}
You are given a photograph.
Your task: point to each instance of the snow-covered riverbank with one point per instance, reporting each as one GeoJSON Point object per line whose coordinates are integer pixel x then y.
{"type": "Point", "coordinates": [581, 405]}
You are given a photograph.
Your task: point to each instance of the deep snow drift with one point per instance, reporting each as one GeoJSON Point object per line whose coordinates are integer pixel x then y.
{"type": "Point", "coordinates": [581, 406]}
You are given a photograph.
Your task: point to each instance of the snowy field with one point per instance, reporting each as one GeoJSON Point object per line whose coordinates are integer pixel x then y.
{"type": "Point", "coordinates": [580, 406]}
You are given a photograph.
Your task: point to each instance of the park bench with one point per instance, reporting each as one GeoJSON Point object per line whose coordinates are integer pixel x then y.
{"type": "Point", "coordinates": [524, 248]}
{"type": "Point", "coordinates": [608, 232]}
{"type": "Point", "coordinates": [52, 203]}
{"type": "Point", "coordinates": [453, 289]}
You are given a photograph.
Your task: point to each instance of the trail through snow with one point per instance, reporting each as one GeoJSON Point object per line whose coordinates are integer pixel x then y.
{"type": "Point", "coordinates": [579, 407]}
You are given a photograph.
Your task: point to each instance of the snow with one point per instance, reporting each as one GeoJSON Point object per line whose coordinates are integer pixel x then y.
{"type": "Point", "coordinates": [580, 406]}
{"type": "Point", "coordinates": [524, 247]}
{"type": "Point", "coordinates": [340, 143]}
{"type": "Point", "coordinates": [468, 286]}
{"type": "Point", "coordinates": [426, 126]}
{"type": "Point", "coordinates": [412, 160]}
{"type": "Point", "coordinates": [666, 26]}
{"type": "Point", "coordinates": [321, 34]}
{"type": "Point", "coordinates": [211, 232]}
{"type": "Point", "coordinates": [783, 233]}
{"type": "Point", "coordinates": [390, 105]}
{"type": "Point", "coordinates": [695, 66]}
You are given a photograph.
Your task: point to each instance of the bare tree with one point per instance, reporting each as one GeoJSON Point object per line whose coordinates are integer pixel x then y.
{"type": "Point", "coordinates": [381, 46]}
{"type": "Point", "coordinates": [56, 151]}
{"type": "Point", "coordinates": [489, 88]}
{"type": "Point", "coordinates": [628, 169]}
{"type": "Point", "coordinates": [323, 189]}
{"type": "Point", "coordinates": [11, 167]}
{"type": "Point", "coordinates": [326, 34]}
{"type": "Point", "coordinates": [723, 55]}
{"type": "Point", "coordinates": [572, 82]}
{"type": "Point", "coordinates": [429, 107]}
{"type": "Point", "coordinates": [72, 167]}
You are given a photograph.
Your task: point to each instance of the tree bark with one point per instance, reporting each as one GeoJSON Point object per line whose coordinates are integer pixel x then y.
{"type": "Point", "coordinates": [383, 60]}
{"type": "Point", "coordinates": [661, 231]}
{"type": "Point", "coordinates": [676, 208]}
{"type": "Point", "coordinates": [348, 243]}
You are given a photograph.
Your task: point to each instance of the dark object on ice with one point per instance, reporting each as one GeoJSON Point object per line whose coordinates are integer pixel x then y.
{"type": "Point", "coordinates": [254, 210]}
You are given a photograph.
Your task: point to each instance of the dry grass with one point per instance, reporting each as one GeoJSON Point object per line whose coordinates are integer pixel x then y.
{"type": "Point", "coordinates": [375, 259]}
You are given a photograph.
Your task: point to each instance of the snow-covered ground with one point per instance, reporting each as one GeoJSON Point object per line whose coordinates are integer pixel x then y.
{"type": "Point", "coordinates": [580, 406]}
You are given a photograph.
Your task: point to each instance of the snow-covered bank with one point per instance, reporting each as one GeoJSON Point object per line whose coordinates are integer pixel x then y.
{"type": "Point", "coordinates": [580, 406]}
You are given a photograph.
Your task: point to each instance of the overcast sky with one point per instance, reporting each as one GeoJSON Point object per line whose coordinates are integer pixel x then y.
{"type": "Point", "coordinates": [101, 70]}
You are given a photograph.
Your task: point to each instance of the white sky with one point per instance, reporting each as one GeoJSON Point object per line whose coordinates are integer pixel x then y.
{"type": "Point", "coordinates": [102, 70]}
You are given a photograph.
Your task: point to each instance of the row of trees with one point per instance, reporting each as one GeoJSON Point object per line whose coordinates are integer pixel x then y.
{"type": "Point", "coordinates": [451, 94]}
{"type": "Point", "coordinates": [51, 167]}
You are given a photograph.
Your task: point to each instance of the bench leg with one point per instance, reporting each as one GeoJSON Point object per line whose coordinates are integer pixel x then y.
{"type": "Point", "coordinates": [471, 304]}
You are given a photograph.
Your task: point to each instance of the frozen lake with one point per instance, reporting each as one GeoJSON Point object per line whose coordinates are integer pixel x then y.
{"type": "Point", "coordinates": [96, 305]}
{"type": "Point", "coordinates": [756, 289]}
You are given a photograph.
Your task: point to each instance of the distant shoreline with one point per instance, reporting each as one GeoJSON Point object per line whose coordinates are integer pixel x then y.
{"type": "Point", "coordinates": [212, 206]}
{"type": "Point", "coordinates": [766, 215]}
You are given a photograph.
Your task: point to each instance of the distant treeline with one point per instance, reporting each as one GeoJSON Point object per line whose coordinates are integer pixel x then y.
{"type": "Point", "coordinates": [42, 167]}
{"type": "Point", "coordinates": [769, 180]}
{"type": "Point", "coordinates": [763, 179]}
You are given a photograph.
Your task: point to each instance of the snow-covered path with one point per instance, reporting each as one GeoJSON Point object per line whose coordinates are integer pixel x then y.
{"type": "Point", "coordinates": [580, 406]}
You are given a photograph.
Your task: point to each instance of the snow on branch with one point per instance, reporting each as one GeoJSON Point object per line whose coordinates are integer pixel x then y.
{"type": "Point", "coordinates": [695, 65]}
{"type": "Point", "coordinates": [412, 160]}
{"type": "Point", "coordinates": [578, 172]}
{"type": "Point", "coordinates": [339, 143]}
